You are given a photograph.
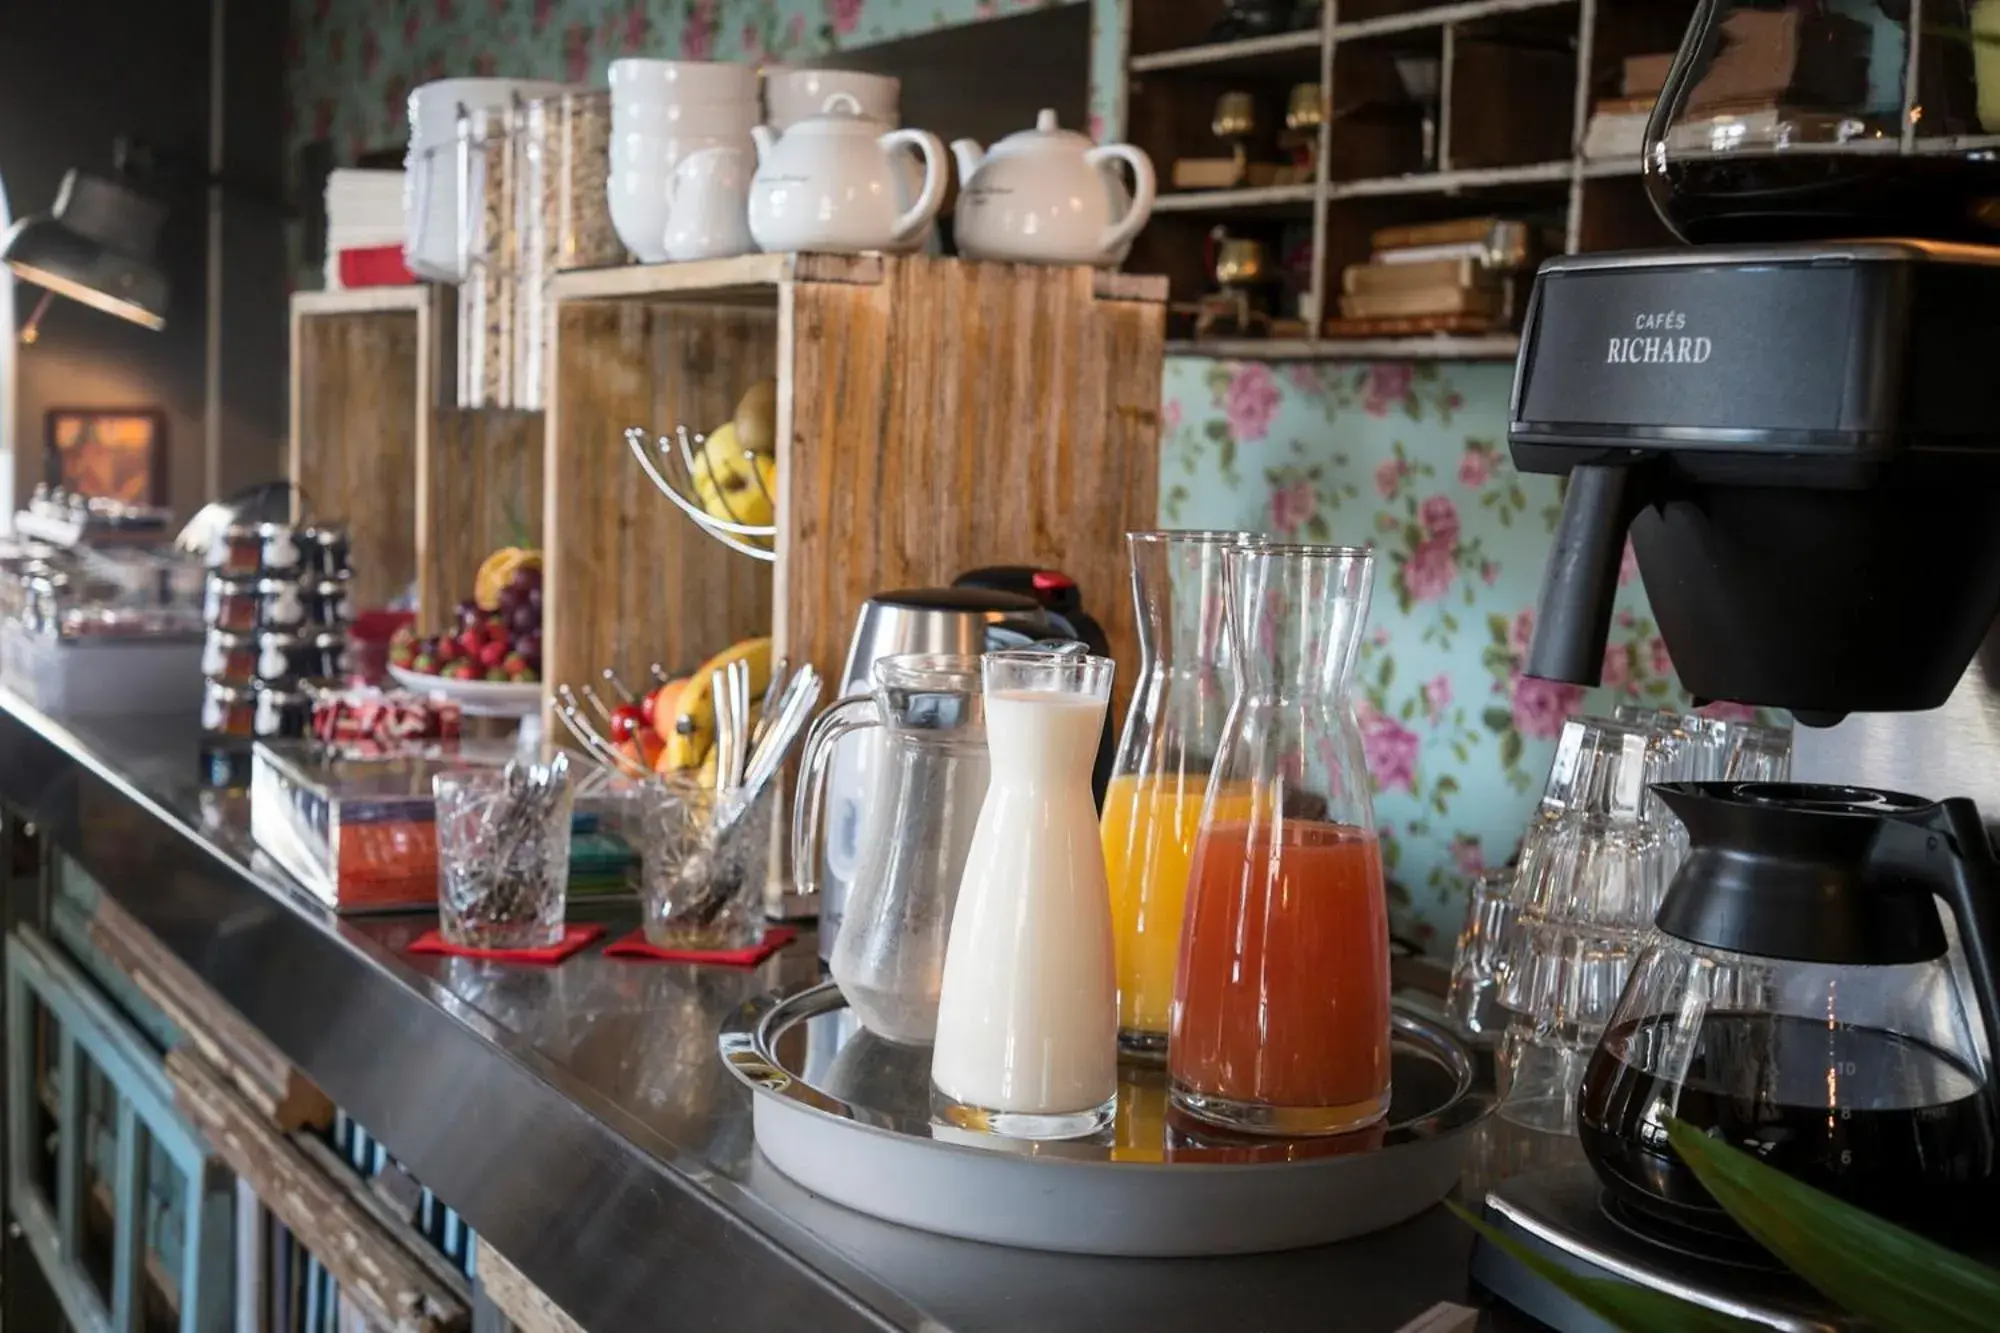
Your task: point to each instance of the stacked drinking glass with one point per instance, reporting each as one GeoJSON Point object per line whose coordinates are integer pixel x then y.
{"type": "Point", "coordinates": [1594, 866]}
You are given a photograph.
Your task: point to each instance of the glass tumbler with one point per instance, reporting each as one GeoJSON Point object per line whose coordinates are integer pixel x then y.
{"type": "Point", "coordinates": [503, 856]}
{"type": "Point", "coordinates": [1173, 730]}
{"type": "Point", "coordinates": [701, 884]}
{"type": "Point", "coordinates": [916, 832]}
{"type": "Point", "coordinates": [1281, 1003]}
{"type": "Point", "coordinates": [1478, 963]}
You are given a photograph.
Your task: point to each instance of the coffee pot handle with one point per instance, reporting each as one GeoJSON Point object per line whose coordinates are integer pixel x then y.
{"type": "Point", "coordinates": [1971, 888]}
{"type": "Point", "coordinates": [848, 713]}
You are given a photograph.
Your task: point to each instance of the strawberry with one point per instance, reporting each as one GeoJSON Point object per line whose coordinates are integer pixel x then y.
{"type": "Point", "coordinates": [491, 655]}
{"type": "Point", "coordinates": [497, 632]}
{"type": "Point", "coordinates": [464, 669]}
{"type": "Point", "coordinates": [513, 664]}
{"type": "Point", "coordinates": [447, 651]}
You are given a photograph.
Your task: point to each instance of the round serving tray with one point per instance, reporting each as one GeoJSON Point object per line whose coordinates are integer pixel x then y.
{"type": "Point", "coordinates": [847, 1115]}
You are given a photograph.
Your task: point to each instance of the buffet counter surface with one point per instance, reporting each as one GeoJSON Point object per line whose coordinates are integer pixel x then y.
{"type": "Point", "coordinates": [579, 1117]}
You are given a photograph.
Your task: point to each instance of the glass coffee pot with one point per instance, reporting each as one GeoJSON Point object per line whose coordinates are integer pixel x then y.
{"type": "Point", "coordinates": [1801, 1003]}
{"type": "Point", "coordinates": [1800, 120]}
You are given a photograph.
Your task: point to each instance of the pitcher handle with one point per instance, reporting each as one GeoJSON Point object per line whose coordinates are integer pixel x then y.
{"type": "Point", "coordinates": [1954, 832]}
{"type": "Point", "coordinates": [1144, 189]}
{"type": "Point", "coordinates": [842, 716]}
{"type": "Point", "coordinates": [931, 199]}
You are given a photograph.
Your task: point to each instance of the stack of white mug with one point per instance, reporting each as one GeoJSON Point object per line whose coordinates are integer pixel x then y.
{"type": "Point", "coordinates": [683, 156]}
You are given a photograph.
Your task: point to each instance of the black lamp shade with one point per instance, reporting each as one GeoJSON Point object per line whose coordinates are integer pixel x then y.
{"type": "Point", "coordinates": [96, 247]}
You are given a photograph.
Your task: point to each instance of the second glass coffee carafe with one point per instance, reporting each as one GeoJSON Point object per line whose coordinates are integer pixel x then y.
{"type": "Point", "coordinates": [917, 824]}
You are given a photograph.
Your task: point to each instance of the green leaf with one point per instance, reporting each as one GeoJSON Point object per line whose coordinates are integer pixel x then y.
{"type": "Point", "coordinates": [1447, 783]}
{"type": "Point", "coordinates": [1497, 626]}
{"type": "Point", "coordinates": [1621, 1304]}
{"type": "Point", "coordinates": [1497, 719]}
{"type": "Point", "coordinates": [1217, 429]}
{"type": "Point", "coordinates": [1894, 1278]}
{"type": "Point", "coordinates": [1408, 711]}
{"type": "Point", "coordinates": [1510, 748]}
{"type": "Point", "coordinates": [1387, 673]}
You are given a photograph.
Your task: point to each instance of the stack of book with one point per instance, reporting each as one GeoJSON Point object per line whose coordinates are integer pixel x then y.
{"type": "Point", "coordinates": [1618, 124]}
{"type": "Point", "coordinates": [1456, 277]}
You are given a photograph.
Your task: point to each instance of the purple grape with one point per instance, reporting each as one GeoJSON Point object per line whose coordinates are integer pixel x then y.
{"type": "Point", "coordinates": [535, 597]}
{"type": "Point", "coordinates": [469, 615]}
{"type": "Point", "coordinates": [524, 620]}
{"type": "Point", "coordinates": [510, 598]}
{"type": "Point", "coordinates": [527, 577]}
{"type": "Point", "coordinates": [529, 646]}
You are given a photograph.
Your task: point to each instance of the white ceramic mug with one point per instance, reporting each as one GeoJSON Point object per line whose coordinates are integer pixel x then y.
{"type": "Point", "coordinates": [709, 205]}
{"type": "Point", "coordinates": [686, 118]}
{"type": "Point", "coordinates": [639, 82]}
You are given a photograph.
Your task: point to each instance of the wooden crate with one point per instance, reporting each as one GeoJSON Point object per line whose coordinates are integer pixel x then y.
{"type": "Point", "coordinates": [365, 371]}
{"type": "Point", "coordinates": [934, 415]}
{"type": "Point", "coordinates": [428, 489]}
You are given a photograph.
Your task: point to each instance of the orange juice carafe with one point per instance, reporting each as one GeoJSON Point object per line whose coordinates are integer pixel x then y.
{"type": "Point", "coordinates": [1173, 731]}
{"type": "Point", "coordinates": [1280, 1019]}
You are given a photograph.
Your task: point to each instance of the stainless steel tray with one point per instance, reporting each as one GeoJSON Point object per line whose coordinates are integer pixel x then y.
{"type": "Point", "coordinates": [847, 1115]}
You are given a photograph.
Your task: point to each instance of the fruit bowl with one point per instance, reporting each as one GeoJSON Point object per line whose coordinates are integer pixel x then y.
{"type": "Point", "coordinates": [727, 480]}
{"type": "Point", "coordinates": [476, 698]}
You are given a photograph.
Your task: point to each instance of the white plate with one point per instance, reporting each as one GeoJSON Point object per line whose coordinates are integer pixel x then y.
{"type": "Point", "coordinates": [480, 698]}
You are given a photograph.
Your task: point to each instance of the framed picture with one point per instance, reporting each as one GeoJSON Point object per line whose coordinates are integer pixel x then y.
{"type": "Point", "coordinates": [108, 453]}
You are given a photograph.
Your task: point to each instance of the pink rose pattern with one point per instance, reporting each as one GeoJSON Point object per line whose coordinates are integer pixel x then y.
{"type": "Point", "coordinates": [1252, 400]}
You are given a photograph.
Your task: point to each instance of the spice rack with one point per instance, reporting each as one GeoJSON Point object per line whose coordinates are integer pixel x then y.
{"type": "Point", "coordinates": [1516, 83]}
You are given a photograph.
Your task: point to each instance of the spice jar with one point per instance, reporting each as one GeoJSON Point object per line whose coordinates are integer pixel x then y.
{"type": "Point", "coordinates": [236, 550]}
{"type": "Point", "coordinates": [328, 604]}
{"type": "Point", "coordinates": [325, 547]}
{"type": "Point", "coordinates": [280, 604]}
{"type": "Point", "coordinates": [229, 657]}
{"type": "Point", "coordinates": [231, 604]}
{"type": "Point", "coordinates": [278, 548]}
{"type": "Point", "coordinates": [282, 713]}
{"type": "Point", "coordinates": [228, 710]}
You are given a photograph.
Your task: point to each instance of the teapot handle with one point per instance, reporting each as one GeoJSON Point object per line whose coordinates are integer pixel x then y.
{"type": "Point", "coordinates": [931, 199]}
{"type": "Point", "coordinates": [849, 713]}
{"type": "Point", "coordinates": [1971, 888]}
{"type": "Point", "coordinates": [1144, 188]}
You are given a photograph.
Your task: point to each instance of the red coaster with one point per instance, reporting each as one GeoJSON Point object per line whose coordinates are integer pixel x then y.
{"type": "Point", "coordinates": [574, 937]}
{"type": "Point", "coordinates": [635, 946]}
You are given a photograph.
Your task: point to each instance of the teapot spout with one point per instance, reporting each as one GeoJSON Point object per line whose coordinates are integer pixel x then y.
{"type": "Point", "coordinates": [765, 139]}
{"type": "Point", "coordinates": [969, 155]}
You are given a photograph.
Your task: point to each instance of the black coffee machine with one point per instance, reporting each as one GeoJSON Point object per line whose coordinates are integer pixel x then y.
{"type": "Point", "coordinates": [1800, 436]}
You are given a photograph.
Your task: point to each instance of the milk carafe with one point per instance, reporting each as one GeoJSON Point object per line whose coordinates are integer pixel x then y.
{"type": "Point", "coordinates": [1027, 1026]}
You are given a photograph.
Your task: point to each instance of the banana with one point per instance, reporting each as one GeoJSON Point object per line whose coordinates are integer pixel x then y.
{"type": "Point", "coordinates": [694, 724]}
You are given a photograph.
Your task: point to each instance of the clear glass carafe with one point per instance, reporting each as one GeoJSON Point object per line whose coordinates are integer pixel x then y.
{"type": "Point", "coordinates": [1799, 120]}
{"type": "Point", "coordinates": [1173, 731]}
{"type": "Point", "coordinates": [917, 828]}
{"type": "Point", "coordinates": [1800, 1002]}
{"type": "Point", "coordinates": [1281, 1003]}
{"type": "Point", "coordinates": [1027, 1032]}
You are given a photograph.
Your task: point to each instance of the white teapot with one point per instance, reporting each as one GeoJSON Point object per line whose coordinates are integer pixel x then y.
{"type": "Point", "coordinates": [829, 184]}
{"type": "Point", "coordinates": [1047, 196]}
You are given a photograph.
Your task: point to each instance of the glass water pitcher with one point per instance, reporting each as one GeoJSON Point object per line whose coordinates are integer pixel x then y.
{"type": "Point", "coordinates": [1799, 120]}
{"type": "Point", "coordinates": [917, 825]}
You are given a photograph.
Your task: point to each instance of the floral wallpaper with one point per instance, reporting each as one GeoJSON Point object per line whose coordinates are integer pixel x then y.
{"type": "Point", "coordinates": [1411, 458]}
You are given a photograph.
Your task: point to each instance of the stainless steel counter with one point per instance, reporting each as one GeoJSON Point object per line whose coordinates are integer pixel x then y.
{"type": "Point", "coordinates": [579, 1118]}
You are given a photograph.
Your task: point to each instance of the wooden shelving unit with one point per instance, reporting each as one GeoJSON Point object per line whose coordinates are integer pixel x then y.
{"type": "Point", "coordinates": [1517, 80]}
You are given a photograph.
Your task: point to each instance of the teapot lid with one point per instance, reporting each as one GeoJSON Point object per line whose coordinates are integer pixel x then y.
{"type": "Point", "coordinates": [840, 115]}
{"type": "Point", "coordinates": [1046, 137]}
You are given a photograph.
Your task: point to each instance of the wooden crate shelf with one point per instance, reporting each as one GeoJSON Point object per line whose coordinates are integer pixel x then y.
{"type": "Point", "coordinates": [934, 415]}
{"type": "Point", "coordinates": [365, 369]}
